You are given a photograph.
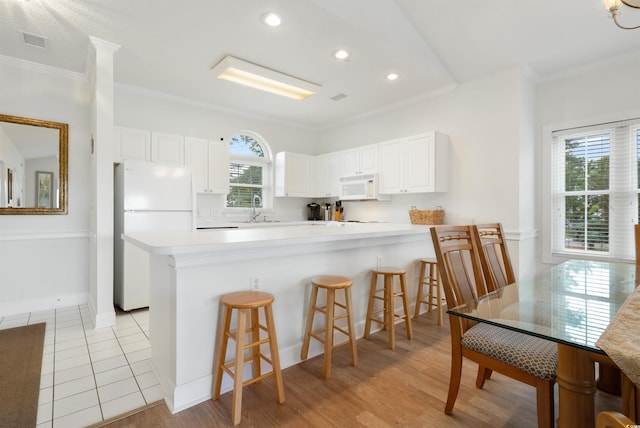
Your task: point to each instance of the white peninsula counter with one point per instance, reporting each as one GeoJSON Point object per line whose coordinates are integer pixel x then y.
{"type": "Point", "coordinates": [191, 270]}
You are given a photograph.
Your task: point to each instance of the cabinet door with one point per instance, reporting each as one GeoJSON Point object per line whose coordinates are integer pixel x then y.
{"type": "Point", "coordinates": [293, 173]}
{"type": "Point", "coordinates": [361, 160]}
{"type": "Point", "coordinates": [327, 178]}
{"type": "Point", "coordinates": [167, 148]}
{"type": "Point", "coordinates": [197, 157]}
{"type": "Point", "coordinates": [368, 159]}
{"type": "Point", "coordinates": [392, 177]}
{"type": "Point", "coordinates": [419, 164]}
{"type": "Point", "coordinates": [219, 159]}
{"type": "Point", "coordinates": [350, 162]}
{"type": "Point", "coordinates": [132, 144]}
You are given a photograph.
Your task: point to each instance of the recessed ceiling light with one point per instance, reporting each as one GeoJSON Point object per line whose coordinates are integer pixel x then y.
{"type": "Point", "coordinates": [341, 54]}
{"type": "Point", "coordinates": [271, 19]}
{"type": "Point", "coordinates": [392, 76]}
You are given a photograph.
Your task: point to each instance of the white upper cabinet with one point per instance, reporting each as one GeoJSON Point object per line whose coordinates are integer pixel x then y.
{"type": "Point", "coordinates": [219, 159]}
{"type": "Point", "coordinates": [360, 160]}
{"type": "Point", "coordinates": [294, 174]}
{"type": "Point", "coordinates": [167, 148]}
{"type": "Point", "coordinates": [416, 164]}
{"type": "Point", "coordinates": [209, 162]}
{"type": "Point", "coordinates": [132, 144]}
{"type": "Point", "coordinates": [143, 145]}
{"type": "Point", "coordinates": [327, 178]}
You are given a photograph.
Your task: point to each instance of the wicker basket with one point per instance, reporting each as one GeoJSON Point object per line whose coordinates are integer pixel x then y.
{"type": "Point", "coordinates": [426, 216]}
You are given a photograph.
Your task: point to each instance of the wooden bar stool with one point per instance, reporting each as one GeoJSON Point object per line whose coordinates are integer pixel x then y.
{"type": "Point", "coordinates": [330, 284]}
{"type": "Point", "coordinates": [388, 298]}
{"type": "Point", "coordinates": [247, 304]}
{"type": "Point", "coordinates": [432, 281]}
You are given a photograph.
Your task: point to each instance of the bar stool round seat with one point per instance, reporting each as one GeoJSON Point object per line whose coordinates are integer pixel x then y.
{"type": "Point", "coordinates": [429, 277]}
{"type": "Point", "coordinates": [330, 283]}
{"type": "Point", "coordinates": [247, 304]}
{"type": "Point", "coordinates": [388, 298]}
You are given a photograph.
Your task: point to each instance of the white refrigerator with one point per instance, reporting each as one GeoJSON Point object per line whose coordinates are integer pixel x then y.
{"type": "Point", "coordinates": [148, 198]}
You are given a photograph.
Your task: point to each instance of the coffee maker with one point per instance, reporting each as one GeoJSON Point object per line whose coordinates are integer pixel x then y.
{"type": "Point", "coordinates": [314, 211]}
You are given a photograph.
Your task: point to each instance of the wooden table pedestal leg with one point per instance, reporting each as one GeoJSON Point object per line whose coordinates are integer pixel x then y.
{"type": "Point", "coordinates": [576, 388]}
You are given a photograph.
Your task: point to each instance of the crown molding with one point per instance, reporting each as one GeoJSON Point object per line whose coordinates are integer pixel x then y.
{"type": "Point", "coordinates": [41, 68]}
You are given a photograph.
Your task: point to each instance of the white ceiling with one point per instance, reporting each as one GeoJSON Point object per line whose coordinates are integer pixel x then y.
{"type": "Point", "coordinates": [170, 46]}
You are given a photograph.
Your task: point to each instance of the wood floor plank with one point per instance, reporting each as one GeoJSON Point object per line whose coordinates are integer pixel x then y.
{"type": "Point", "coordinates": [405, 387]}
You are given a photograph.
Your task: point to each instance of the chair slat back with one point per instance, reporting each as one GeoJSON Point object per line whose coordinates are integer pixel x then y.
{"type": "Point", "coordinates": [494, 257]}
{"type": "Point", "coordinates": [460, 269]}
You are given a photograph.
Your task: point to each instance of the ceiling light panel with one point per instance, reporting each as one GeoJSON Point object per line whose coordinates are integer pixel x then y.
{"type": "Point", "coordinates": [265, 79]}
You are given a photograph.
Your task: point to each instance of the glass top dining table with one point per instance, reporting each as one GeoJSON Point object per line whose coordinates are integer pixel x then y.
{"type": "Point", "coordinates": [572, 304]}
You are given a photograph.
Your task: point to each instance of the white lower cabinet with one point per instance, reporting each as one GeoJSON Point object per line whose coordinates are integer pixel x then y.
{"type": "Point", "coordinates": [416, 164]}
{"type": "Point", "coordinates": [209, 161]}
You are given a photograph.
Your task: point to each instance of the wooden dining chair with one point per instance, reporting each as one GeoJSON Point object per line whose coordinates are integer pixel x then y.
{"type": "Point", "coordinates": [496, 268]}
{"type": "Point", "coordinates": [613, 420]}
{"type": "Point", "coordinates": [519, 356]}
{"type": "Point", "coordinates": [637, 236]}
{"type": "Point", "coordinates": [495, 260]}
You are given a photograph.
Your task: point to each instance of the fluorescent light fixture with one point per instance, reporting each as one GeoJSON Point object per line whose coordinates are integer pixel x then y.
{"type": "Point", "coordinates": [265, 79]}
{"type": "Point", "coordinates": [392, 76]}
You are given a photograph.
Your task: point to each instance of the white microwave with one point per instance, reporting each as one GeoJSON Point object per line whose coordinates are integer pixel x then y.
{"type": "Point", "coordinates": [360, 188]}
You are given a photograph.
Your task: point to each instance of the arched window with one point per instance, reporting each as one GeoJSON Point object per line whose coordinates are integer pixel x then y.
{"type": "Point", "coordinates": [249, 172]}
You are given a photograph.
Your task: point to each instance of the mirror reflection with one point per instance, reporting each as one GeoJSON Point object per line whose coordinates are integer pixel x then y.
{"type": "Point", "coordinates": [33, 166]}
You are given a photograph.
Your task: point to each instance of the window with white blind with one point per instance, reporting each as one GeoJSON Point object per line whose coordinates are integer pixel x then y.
{"type": "Point", "coordinates": [595, 190]}
{"type": "Point", "coordinates": [249, 172]}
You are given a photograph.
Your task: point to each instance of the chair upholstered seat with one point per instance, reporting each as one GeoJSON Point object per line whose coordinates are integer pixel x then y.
{"type": "Point", "coordinates": [536, 356]}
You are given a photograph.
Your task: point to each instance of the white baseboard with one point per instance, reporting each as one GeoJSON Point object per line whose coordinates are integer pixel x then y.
{"type": "Point", "coordinates": [42, 304]}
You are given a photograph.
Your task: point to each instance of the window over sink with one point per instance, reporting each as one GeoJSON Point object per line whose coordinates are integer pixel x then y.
{"type": "Point", "coordinates": [249, 172]}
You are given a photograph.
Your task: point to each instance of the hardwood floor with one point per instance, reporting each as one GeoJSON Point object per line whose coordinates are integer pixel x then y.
{"type": "Point", "coordinates": [403, 388]}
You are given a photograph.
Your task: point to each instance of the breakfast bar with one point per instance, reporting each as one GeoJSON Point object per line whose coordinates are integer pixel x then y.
{"type": "Point", "coordinates": [191, 270]}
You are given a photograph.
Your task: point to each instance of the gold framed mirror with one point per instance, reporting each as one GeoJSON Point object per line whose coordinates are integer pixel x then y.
{"type": "Point", "coordinates": [33, 166]}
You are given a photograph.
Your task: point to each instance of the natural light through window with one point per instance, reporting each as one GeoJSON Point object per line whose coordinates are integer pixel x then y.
{"type": "Point", "coordinates": [596, 190]}
{"type": "Point", "coordinates": [586, 318]}
{"type": "Point", "coordinates": [248, 172]}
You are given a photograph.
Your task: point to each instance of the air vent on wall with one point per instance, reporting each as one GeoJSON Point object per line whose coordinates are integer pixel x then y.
{"type": "Point", "coordinates": [34, 40]}
{"type": "Point", "coordinates": [338, 97]}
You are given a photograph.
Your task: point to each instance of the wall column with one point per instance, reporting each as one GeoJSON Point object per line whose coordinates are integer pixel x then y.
{"type": "Point", "coordinates": [101, 221]}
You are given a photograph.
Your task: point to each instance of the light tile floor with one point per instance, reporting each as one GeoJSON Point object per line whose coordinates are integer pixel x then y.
{"type": "Point", "coordinates": [89, 375]}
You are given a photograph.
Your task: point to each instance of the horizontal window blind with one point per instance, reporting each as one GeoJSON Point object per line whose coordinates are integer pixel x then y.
{"type": "Point", "coordinates": [596, 189]}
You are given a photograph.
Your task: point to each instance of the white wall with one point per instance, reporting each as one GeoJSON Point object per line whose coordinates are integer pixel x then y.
{"type": "Point", "coordinates": [483, 121]}
{"type": "Point", "coordinates": [43, 258]}
{"type": "Point", "coordinates": [601, 92]}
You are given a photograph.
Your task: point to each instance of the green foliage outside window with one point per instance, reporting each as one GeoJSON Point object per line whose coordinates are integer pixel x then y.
{"type": "Point", "coordinates": [245, 177]}
{"type": "Point", "coordinates": [586, 210]}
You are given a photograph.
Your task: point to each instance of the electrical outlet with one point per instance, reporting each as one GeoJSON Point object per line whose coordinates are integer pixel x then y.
{"type": "Point", "coordinates": [255, 283]}
{"type": "Point", "coordinates": [379, 262]}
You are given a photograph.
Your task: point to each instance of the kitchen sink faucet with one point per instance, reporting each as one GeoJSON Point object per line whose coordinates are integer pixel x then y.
{"type": "Point", "coordinates": [255, 215]}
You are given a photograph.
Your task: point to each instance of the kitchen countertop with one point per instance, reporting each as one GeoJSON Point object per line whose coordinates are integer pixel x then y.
{"type": "Point", "coordinates": [176, 243]}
